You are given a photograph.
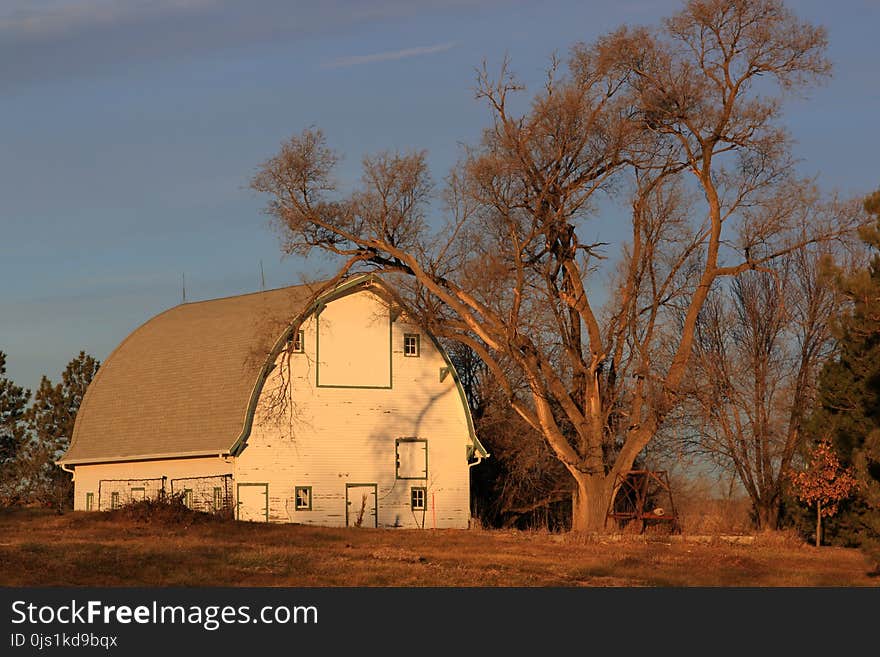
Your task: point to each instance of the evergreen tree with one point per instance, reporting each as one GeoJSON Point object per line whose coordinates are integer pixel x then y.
{"type": "Point", "coordinates": [849, 397]}
{"type": "Point", "coordinates": [13, 431]}
{"type": "Point", "coordinates": [51, 419]}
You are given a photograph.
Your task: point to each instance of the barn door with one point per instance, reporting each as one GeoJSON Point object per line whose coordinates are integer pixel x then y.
{"type": "Point", "coordinates": [253, 502]}
{"type": "Point", "coordinates": [361, 506]}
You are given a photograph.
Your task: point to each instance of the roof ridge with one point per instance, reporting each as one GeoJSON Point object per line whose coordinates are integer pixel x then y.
{"type": "Point", "coordinates": [246, 294]}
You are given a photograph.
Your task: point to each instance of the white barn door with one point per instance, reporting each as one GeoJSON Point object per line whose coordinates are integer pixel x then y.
{"type": "Point", "coordinates": [360, 505]}
{"type": "Point", "coordinates": [253, 502]}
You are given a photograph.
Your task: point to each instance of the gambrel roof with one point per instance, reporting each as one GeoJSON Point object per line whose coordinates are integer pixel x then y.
{"type": "Point", "coordinates": [185, 383]}
{"type": "Point", "coordinates": [181, 383]}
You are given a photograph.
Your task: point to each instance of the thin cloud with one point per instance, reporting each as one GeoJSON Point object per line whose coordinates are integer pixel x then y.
{"type": "Point", "coordinates": [48, 40]}
{"type": "Point", "coordinates": [36, 20]}
{"type": "Point", "coordinates": [392, 55]}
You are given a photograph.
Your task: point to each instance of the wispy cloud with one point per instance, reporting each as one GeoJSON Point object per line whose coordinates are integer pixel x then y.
{"type": "Point", "coordinates": [391, 55]}
{"type": "Point", "coordinates": [46, 40]}
{"type": "Point", "coordinates": [29, 19]}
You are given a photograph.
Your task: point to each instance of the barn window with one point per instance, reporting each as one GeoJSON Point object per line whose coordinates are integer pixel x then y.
{"type": "Point", "coordinates": [297, 342]}
{"type": "Point", "coordinates": [303, 496]}
{"type": "Point", "coordinates": [114, 500]}
{"type": "Point", "coordinates": [412, 458]}
{"type": "Point", "coordinates": [188, 498]}
{"type": "Point", "coordinates": [90, 501]}
{"type": "Point", "coordinates": [417, 497]}
{"type": "Point", "coordinates": [218, 498]}
{"type": "Point", "coordinates": [411, 345]}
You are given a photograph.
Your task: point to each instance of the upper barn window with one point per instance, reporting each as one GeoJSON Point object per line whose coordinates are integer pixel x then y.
{"type": "Point", "coordinates": [297, 342]}
{"type": "Point", "coordinates": [411, 344]}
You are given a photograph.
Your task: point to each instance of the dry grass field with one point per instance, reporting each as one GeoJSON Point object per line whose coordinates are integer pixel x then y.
{"type": "Point", "coordinates": [39, 548]}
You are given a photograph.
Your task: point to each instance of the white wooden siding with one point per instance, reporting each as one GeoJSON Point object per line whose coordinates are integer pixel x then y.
{"type": "Point", "coordinates": [353, 343]}
{"type": "Point", "coordinates": [122, 477]}
{"type": "Point", "coordinates": [336, 436]}
{"type": "Point", "coordinates": [333, 436]}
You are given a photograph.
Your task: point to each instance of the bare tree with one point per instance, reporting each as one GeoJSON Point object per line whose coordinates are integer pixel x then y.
{"type": "Point", "coordinates": [760, 343]}
{"type": "Point", "coordinates": [523, 484]}
{"type": "Point", "coordinates": [673, 113]}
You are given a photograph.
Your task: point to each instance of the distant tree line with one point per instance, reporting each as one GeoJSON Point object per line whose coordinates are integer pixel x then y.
{"type": "Point", "coordinates": [35, 430]}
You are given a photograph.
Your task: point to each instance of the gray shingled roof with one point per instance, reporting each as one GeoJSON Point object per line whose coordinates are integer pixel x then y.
{"type": "Point", "coordinates": [181, 383]}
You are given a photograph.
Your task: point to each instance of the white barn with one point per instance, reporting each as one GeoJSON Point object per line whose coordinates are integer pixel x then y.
{"type": "Point", "coordinates": [330, 410]}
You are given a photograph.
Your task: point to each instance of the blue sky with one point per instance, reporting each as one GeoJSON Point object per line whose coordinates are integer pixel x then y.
{"type": "Point", "coordinates": [130, 130]}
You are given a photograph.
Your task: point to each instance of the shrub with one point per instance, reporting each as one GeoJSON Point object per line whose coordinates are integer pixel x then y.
{"type": "Point", "coordinates": [166, 509]}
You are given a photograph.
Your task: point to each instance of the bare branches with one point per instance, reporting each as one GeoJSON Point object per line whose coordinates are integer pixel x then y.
{"type": "Point", "coordinates": [674, 114]}
{"type": "Point", "coordinates": [760, 343]}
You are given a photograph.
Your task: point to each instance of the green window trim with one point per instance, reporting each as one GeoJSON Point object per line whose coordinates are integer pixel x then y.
{"type": "Point", "coordinates": [90, 501]}
{"type": "Point", "coordinates": [317, 314]}
{"type": "Point", "coordinates": [299, 503]}
{"type": "Point", "coordinates": [412, 347]}
{"type": "Point", "coordinates": [397, 443]}
{"type": "Point", "coordinates": [114, 500]}
{"type": "Point", "coordinates": [297, 342]}
{"type": "Point", "coordinates": [418, 498]}
{"type": "Point", "coordinates": [265, 487]}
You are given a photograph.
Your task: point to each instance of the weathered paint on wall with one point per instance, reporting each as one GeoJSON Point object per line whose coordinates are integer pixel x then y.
{"type": "Point", "coordinates": [339, 440]}
{"type": "Point", "coordinates": [328, 438]}
{"type": "Point", "coordinates": [103, 479]}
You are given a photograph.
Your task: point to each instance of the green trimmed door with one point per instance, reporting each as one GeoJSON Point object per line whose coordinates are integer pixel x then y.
{"type": "Point", "coordinates": [361, 509]}
{"type": "Point", "coordinates": [253, 502]}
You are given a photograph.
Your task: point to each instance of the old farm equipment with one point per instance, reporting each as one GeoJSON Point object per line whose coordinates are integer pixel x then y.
{"type": "Point", "coordinates": [643, 502]}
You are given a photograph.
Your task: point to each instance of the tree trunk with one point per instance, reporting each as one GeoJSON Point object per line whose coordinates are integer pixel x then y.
{"type": "Point", "coordinates": [818, 524]}
{"type": "Point", "coordinates": [767, 514]}
{"type": "Point", "coordinates": [592, 494]}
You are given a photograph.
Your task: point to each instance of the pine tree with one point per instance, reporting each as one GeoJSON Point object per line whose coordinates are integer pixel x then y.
{"type": "Point", "coordinates": [849, 397]}
{"type": "Point", "coordinates": [13, 431]}
{"type": "Point", "coordinates": [51, 419]}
